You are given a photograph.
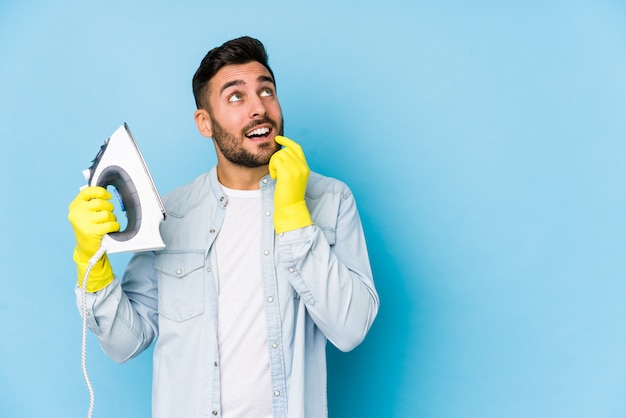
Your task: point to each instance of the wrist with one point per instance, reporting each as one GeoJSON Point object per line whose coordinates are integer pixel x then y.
{"type": "Point", "coordinates": [100, 276]}
{"type": "Point", "coordinates": [292, 217]}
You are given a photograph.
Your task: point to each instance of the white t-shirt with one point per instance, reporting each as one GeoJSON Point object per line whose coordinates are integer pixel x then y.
{"type": "Point", "coordinates": [242, 334]}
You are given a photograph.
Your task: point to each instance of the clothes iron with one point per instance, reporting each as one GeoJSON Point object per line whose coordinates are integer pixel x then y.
{"type": "Point", "coordinates": [120, 164]}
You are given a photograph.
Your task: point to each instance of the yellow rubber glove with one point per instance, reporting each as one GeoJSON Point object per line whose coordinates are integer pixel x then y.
{"type": "Point", "coordinates": [288, 166]}
{"type": "Point", "coordinates": [91, 216]}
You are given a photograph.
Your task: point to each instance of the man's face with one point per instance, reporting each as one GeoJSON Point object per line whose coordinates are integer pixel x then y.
{"type": "Point", "coordinates": [245, 114]}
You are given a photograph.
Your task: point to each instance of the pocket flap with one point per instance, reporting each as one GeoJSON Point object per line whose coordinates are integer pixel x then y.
{"type": "Point", "coordinates": [179, 265]}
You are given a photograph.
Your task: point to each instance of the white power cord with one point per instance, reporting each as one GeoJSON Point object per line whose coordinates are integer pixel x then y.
{"type": "Point", "coordinates": [83, 358]}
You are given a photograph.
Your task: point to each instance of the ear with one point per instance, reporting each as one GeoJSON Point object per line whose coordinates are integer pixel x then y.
{"type": "Point", "coordinates": [203, 122]}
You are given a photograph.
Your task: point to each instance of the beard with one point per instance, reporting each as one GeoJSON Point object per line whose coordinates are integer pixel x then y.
{"type": "Point", "coordinates": [232, 148]}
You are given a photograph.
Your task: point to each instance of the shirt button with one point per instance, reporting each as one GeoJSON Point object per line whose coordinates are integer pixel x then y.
{"type": "Point", "coordinates": [291, 270]}
{"type": "Point", "coordinates": [274, 345]}
{"type": "Point", "coordinates": [214, 413]}
{"type": "Point", "coordinates": [264, 181]}
{"type": "Point", "coordinates": [212, 231]}
{"type": "Point", "coordinates": [268, 213]}
{"type": "Point", "coordinates": [266, 252]}
{"type": "Point", "coordinates": [215, 364]}
{"type": "Point", "coordinates": [276, 393]}
{"type": "Point", "coordinates": [179, 272]}
{"type": "Point", "coordinates": [270, 299]}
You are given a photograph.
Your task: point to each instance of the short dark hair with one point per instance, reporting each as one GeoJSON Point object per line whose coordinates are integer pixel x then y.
{"type": "Point", "coordinates": [237, 51]}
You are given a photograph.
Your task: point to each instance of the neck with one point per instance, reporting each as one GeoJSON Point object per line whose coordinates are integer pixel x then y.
{"type": "Point", "coordinates": [238, 177]}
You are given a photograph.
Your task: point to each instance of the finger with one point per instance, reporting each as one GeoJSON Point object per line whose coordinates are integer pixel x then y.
{"type": "Point", "coordinates": [294, 149]}
{"type": "Point", "coordinates": [293, 162]}
{"type": "Point", "coordinates": [97, 205]}
{"type": "Point", "coordinates": [94, 192]}
{"type": "Point", "coordinates": [105, 228]}
{"type": "Point", "coordinates": [289, 143]}
{"type": "Point", "coordinates": [82, 199]}
{"type": "Point", "coordinates": [272, 166]}
{"type": "Point", "coordinates": [277, 162]}
{"type": "Point", "coordinates": [287, 163]}
{"type": "Point", "coordinates": [102, 217]}
{"type": "Point", "coordinates": [272, 170]}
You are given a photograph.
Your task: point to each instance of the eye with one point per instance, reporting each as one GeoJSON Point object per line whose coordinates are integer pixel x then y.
{"type": "Point", "coordinates": [266, 92]}
{"type": "Point", "coordinates": [235, 97]}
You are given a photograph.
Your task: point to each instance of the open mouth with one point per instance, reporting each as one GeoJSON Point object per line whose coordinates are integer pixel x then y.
{"type": "Point", "coordinates": [259, 133]}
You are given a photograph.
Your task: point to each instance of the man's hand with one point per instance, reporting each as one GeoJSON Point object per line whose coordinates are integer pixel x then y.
{"type": "Point", "coordinates": [288, 166]}
{"type": "Point", "coordinates": [91, 216]}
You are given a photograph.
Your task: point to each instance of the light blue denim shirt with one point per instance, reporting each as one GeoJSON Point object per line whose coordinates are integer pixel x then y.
{"type": "Point", "coordinates": [318, 286]}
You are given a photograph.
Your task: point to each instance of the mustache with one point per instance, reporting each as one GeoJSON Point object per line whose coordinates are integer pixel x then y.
{"type": "Point", "coordinates": [258, 122]}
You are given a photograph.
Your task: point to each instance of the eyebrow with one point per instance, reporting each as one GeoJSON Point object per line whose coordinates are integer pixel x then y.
{"type": "Point", "coordinates": [260, 79]}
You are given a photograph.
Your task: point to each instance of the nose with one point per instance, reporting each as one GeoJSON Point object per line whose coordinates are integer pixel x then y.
{"type": "Point", "coordinates": [257, 107]}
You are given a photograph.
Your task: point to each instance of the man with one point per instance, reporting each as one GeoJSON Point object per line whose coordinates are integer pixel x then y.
{"type": "Point", "coordinates": [264, 262]}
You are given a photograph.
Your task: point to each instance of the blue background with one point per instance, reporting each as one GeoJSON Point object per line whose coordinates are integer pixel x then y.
{"type": "Point", "coordinates": [484, 141]}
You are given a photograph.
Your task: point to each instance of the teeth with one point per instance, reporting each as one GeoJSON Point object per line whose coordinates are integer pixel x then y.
{"type": "Point", "coordinates": [259, 132]}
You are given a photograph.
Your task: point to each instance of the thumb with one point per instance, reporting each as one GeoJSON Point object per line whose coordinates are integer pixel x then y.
{"type": "Point", "coordinates": [274, 164]}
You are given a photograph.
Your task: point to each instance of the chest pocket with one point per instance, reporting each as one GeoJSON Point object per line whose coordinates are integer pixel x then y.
{"type": "Point", "coordinates": [181, 285]}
